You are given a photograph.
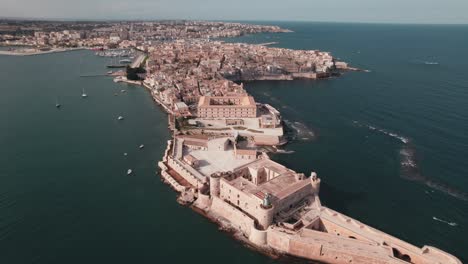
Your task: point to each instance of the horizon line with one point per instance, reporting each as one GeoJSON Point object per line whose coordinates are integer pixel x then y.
{"type": "Point", "coordinates": [56, 19]}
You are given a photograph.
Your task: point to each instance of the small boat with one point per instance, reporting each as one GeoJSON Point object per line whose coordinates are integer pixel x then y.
{"type": "Point", "coordinates": [129, 171]}
{"type": "Point", "coordinates": [84, 95]}
{"type": "Point", "coordinates": [110, 72]}
{"type": "Point", "coordinates": [125, 154]}
{"type": "Point", "coordinates": [125, 61]}
{"type": "Point", "coordinates": [120, 118]}
{"type": "Point", "coordinates": [142, 146]}
{"type": "Point", "coordinates": [123, 91]}
{"type": "Point", "coordinates": [57, 103]}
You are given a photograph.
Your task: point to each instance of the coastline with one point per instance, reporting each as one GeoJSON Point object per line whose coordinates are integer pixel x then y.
{"type": "Point", "coordinates": [361, 150]}
{"type": "Point", "coordinates": [226, 216]}
{"type": "Point", "coordinates": [36, 52]}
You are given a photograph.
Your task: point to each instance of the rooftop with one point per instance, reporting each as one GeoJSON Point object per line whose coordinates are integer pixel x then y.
{"type": "Point", "coordinates": [223, 101]}
{"type": "Point", "coordinates": [279, 187]}
{"type": "Point", "coordinates": [216, 161]}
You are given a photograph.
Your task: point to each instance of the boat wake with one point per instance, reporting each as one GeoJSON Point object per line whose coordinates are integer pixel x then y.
{"type": "Point", "coordinates": [444, 221]}
{"type": "Point", "coordinates": [425, 62]}
{"type": "Point", "coordinates": [409, 168]}
{"type": "Point", "coordinates": [401, 138]}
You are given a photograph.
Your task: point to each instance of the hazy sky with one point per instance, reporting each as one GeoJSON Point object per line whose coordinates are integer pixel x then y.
{"type": "Point", "coordinates": [394, 11]}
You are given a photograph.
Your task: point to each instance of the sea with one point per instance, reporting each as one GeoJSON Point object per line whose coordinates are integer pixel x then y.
{"type": "Point", "coordinates": [390, 145]}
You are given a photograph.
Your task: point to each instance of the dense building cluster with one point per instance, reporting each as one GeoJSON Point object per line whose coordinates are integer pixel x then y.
{"type": "Point", "coordinates": [186, 70]}
{"type": "Point", "coordinates": [120, 34]}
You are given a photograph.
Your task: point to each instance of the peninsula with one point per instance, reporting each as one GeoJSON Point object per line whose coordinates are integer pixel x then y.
{"type": "Point", "coordinates": [214, 160]}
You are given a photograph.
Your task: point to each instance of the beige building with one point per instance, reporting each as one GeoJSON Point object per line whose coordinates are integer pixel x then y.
{"type": "Point", "coordinates": [263, 189]}
{"type": "Point", "coordinates": [248, 154]}
{"type": "Point", "coordinates": [279, 209]}
{"type": "Point", "coordinates": [227, 107]}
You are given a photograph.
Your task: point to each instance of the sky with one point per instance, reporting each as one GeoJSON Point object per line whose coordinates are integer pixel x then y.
{"type": "Point", "coordinates": [367, 11]}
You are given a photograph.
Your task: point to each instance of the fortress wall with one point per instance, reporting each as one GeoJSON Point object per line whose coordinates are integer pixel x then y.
{"type": "Point", "coordinates": [237, 218]}
{"type": "Point", "coordinates": [258, 237]}
{"type": "Point", "coordinates": [268, 140]}
{"type": "Point", "coordinates": [304, 249]}
{"type": "Point", "coordinates": [306, 75]}
{"type": "Point", "coordinates": [203, 201]}
{"type": "Point", "coordinates": [331, 255]}
{"type": "Point", "coordinates": [449, 258]}
{"type": "Point", "coordinates": [278, 240]}
{"type": "Point", "coordinates": [184, 172]}
{"type": "Point", "coordinates": [302, 190]}
{"type": "Point", "coordinates": [338, 230]}
{"type": "Point", "coordinates": [327, 248]}
{"type": "Point", "coordinates": [240, 198]}
{"type": "Point", "coordinates": [367, 233]}
{"type": "Point", "coordinates": [169, 179]}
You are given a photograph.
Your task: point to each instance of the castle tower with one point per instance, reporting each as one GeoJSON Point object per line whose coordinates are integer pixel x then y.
{"type": "Point", "coordinates": [266, 212]}
{"type": "Point", "coordinates": [315, 182]}
{"type": "Point", "coordinates": [214, 184]}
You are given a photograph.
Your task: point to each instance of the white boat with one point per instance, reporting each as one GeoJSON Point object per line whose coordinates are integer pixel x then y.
{"type": "Point", "coordinates": [57, 103]}
{"type": "Point", "coordinates": [84, 95]}
{"type": "Point", "coordinates": [120, 118]}
{"type": "Point", "coordinates": [125, 154]}
{"type": "Point", "coordinates": [129, 171]}
{"type": "Point", "coordinates": [125, 61]}
{"type": "Point", "coordinates": [142, 146]}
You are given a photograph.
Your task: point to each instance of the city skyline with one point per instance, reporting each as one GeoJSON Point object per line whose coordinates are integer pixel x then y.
{"type": "Point", "coordinates": [361, 11]}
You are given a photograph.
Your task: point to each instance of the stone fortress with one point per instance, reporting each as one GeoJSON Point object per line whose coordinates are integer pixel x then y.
{"type": "Point", "coordinates": [275, 208]}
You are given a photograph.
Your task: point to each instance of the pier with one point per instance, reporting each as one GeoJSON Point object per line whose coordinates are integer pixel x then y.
{"type": "Point", "coordinates": [94, 75]}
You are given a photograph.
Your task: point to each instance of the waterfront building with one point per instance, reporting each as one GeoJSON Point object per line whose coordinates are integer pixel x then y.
{"type": "Point", "coordinates": [276, 208]}
{"type": "Point", "coordinates": [242, 106]}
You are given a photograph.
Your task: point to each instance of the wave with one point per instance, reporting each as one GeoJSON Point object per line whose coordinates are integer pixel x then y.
{"type": "Point", "coordinates": [444, 221]}
{"type": "Point", "coordinates": [409, 165]}
{"type": "Point", "coordinates": [299, 130]}
{"type": "Point", "coordinates": [401, 138]}
{"type": "Point", "coordinates": [425, 62]}
{"type": "Point", "coordinates": [283, 151]}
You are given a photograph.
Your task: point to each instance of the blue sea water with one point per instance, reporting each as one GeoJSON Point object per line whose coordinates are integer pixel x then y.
{"type": "Point", "coordinates": [65, 196]}
{"type": "Point", "coordinates": [391, 145]}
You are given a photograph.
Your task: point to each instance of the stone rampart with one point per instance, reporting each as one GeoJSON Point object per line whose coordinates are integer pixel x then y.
{"type": "Point", "coordinates": [237, 218]}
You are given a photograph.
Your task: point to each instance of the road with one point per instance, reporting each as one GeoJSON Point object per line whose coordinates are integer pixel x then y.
{"type": "Point", "coordinates": [137, 62]}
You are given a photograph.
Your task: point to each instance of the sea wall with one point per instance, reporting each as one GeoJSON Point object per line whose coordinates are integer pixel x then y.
{"type": "Point", "coordinates": [258, 237]}
{"type": "Point", "coordinates": [184, 171]}
{"type": "Point", "coordinates": [174, 184]}
{"type": "Point", "coordinates": [238, 219]}
{"type": "Point", "coordinates": [325, 248]}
